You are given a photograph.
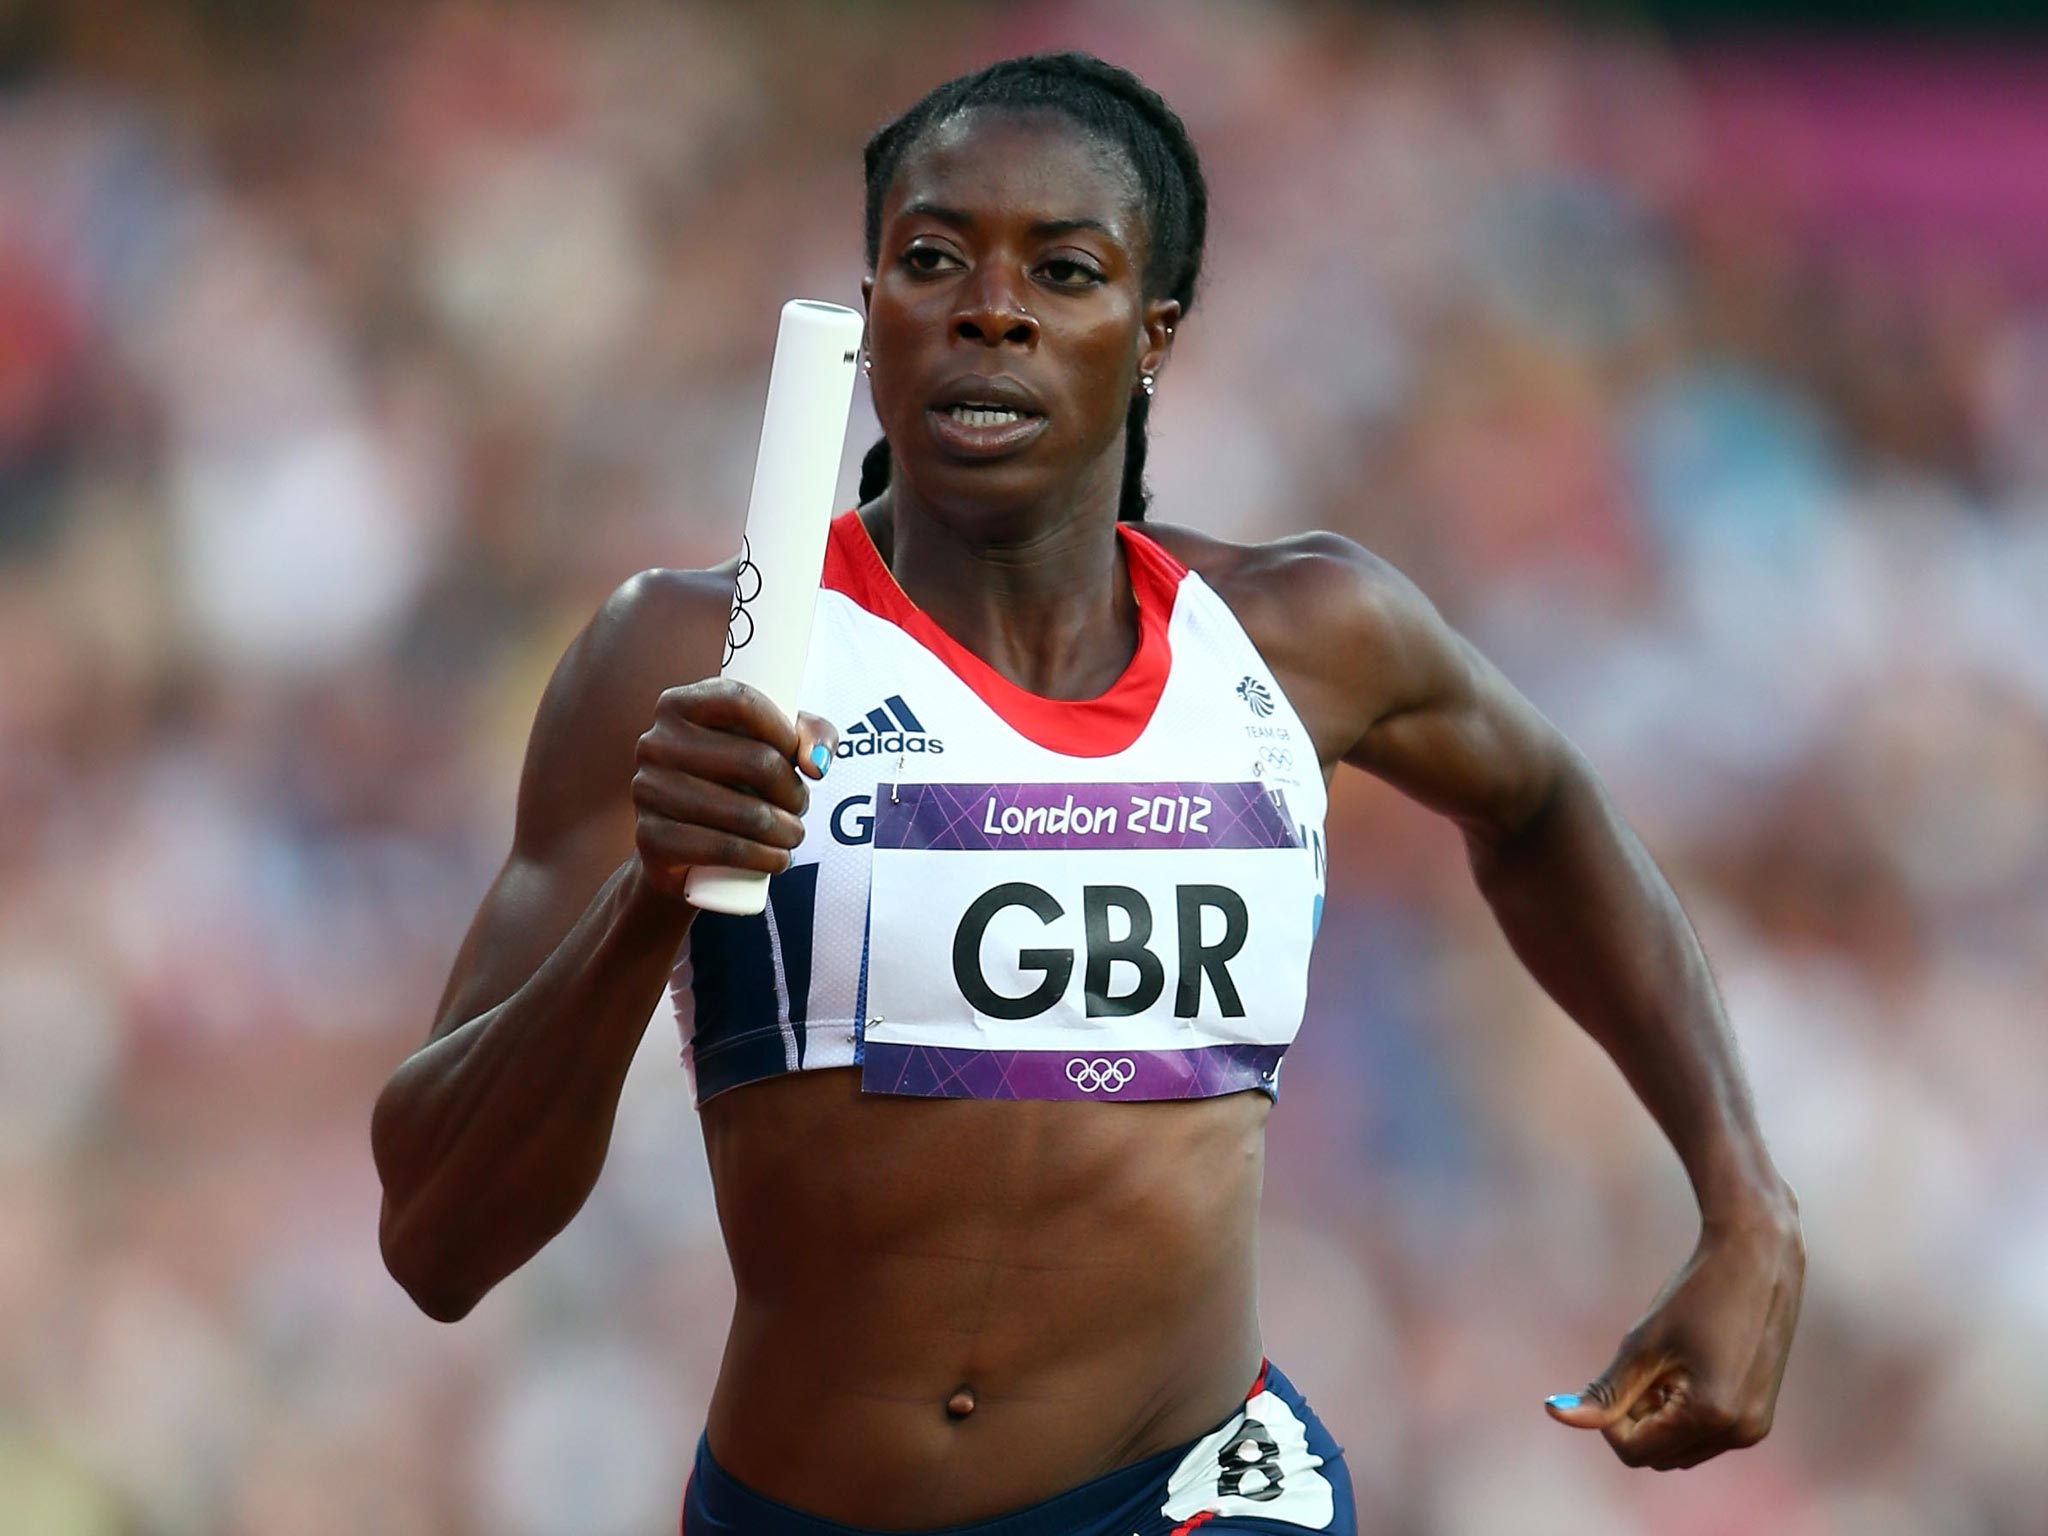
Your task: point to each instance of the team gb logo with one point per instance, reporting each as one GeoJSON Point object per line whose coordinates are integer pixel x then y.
{"type": "Point", "coordinates": [1254, 693]}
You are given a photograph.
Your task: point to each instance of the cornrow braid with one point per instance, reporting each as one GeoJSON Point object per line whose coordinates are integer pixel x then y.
{"type": "Point", "coordinates": [1115, 107]}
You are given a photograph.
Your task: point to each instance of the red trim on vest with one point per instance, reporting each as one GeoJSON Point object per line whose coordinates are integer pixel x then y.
{"type": "Point", "coordinates": [1109, 723]}
{"type": "Point", "coordinates": [1259, 1385]}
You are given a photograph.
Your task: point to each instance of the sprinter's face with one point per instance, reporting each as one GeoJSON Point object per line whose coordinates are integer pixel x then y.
{"type": "Point", "coordinates": [1010, 273]}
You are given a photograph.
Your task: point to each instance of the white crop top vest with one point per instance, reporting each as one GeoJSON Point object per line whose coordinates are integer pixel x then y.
{"type": "Point", "coordinates": [1001, 895]}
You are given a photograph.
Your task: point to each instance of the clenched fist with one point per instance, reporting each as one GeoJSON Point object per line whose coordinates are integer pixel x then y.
{"type": "Point", "coordinates": [1700, 1373]}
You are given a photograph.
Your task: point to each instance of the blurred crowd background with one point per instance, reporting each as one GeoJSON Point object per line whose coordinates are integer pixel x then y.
{"type": "Point", "coordinates": [350, 354]}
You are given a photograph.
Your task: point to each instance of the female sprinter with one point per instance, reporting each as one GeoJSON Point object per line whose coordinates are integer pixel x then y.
{"type": "Point", "coordinates": [984, 1090]}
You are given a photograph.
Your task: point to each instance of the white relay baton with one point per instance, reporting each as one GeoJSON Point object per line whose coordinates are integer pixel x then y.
{"type": "Point", "coordinates": [803, 434]}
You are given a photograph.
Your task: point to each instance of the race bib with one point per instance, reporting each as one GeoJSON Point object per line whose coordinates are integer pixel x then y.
{"type": "Point", "coordinates": [1054, 941]}
{"type": "Point", "coordinates": [1260, 1465]}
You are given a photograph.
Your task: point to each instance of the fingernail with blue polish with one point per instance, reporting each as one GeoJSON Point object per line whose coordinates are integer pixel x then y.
{"type": "Point", "coordinates": [1564, 1402]}
{"type": "Point", "coordinates": [821, 755]}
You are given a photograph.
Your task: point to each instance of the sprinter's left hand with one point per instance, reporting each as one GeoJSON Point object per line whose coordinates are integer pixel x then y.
{"type": "Point", "coordinates": [1699, 1375]}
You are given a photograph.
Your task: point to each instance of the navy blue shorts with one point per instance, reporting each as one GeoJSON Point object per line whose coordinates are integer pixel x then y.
{"type": "Point", "coordinates": [1271, 1466]}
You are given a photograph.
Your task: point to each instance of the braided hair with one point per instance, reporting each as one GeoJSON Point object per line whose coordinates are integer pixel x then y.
{"type": "Point", "coordinates": [1114, 106]}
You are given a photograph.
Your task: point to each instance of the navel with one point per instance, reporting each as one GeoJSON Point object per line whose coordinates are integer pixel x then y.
{"type": "Point", "coordinates": [961, 1403]}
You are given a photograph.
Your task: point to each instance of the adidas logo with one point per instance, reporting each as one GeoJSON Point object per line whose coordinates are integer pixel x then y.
{"type": "Point", "coordinates": [888, 727]}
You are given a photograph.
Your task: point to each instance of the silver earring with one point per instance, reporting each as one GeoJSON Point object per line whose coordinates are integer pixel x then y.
{"type": "Point", "coordinates": [867, 363]}
{"type": "Point", "coordinates": [1147, 382]}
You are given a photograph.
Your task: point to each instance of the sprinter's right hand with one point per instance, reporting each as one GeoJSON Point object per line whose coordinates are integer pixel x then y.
{"type": "Point", "coordinates": [719, 779]}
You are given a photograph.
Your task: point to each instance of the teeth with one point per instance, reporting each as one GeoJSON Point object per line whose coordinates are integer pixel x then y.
{"type": "Point", "coordinates": [983, 416]}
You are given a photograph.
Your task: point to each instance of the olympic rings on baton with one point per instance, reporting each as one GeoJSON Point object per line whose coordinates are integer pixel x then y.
{"type": "Point", "coordinates": [1100, 1073]}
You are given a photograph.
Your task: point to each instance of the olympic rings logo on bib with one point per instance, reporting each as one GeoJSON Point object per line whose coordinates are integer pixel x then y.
{"type": "Point", "coordinates": [1100, 1073]}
